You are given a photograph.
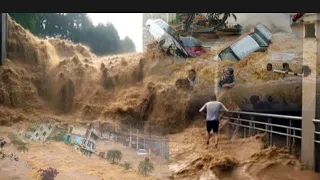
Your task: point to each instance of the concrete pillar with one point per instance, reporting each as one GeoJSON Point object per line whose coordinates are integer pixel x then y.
{"type": "Point", "coordinates": [137, 139]}
{"type": "Point", "coordinates": [3, 36]}
{"type": "Point", "coordinates": [317, 127]}
{"type": "Point", "coordinates": [310, 48]}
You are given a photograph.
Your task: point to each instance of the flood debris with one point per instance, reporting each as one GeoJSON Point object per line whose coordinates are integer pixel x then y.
{"type": "Point", "coordinates": [42, 132]}
{"type": "Point", "coordinates": [200, 23]}
{"type": "Point", "coordinates": [89, 142]}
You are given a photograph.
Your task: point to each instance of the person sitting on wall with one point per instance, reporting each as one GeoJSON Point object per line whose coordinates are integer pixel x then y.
{"type": "Point", "coordinates": [193, 79]}
{"type": "Point", "coordinates": [286, 67]}
{"type": "Point", "coordinates": [227, 80]}
{"type": "Point", "coordinates": [258, 104]}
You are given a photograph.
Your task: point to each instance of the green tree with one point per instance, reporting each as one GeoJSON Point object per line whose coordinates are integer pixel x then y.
{"type": "Point", "coordinates": [103, 39]}
{"type": "Point", "coordinates": [23, 148]}
{"type": "Point", "coordinates": [114, 156]}
{"type": "Point", "coordinates": [127, 45]}
{"type": "Point", "coordinates": [16, 140]}
{"type": "Point", "coordinates": [54, 25]}
{"type": "Point", "coordinates": [77, 27]}
{"type": "Point", "coordinates": [79, 24]}
{"type": "Point", "coordinates": [27, 20]}
{"type": "Point", "coordinates": [145, 167]}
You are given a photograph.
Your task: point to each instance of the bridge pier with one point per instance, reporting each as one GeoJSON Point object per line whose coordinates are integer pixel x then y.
{"type": "Point", "coordinates": [309, 89]}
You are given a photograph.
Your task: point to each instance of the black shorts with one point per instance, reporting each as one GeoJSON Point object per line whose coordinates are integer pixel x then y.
{"type": "Point", "coordinates": [213, 125]}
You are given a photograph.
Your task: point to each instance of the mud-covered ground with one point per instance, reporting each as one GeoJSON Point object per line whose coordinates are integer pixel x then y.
{"type": "Point", "coordinates": [189, 158]}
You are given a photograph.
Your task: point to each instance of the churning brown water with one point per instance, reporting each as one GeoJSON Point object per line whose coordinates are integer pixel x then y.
{"type": "Point", "coordinates": [60, 80]}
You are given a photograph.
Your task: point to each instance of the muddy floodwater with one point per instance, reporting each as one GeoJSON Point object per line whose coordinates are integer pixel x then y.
{"type": "Point", "coordinates": [61, 82]}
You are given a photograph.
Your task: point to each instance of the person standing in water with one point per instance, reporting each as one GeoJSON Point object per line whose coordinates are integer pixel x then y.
{"type": "Point", "coordinates": [212, 117]}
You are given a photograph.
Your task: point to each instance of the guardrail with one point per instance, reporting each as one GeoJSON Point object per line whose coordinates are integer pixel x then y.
{"type": "Point", "coordinates": [316, 133]}
{"type": "Point", "coordinates": [272, 124]}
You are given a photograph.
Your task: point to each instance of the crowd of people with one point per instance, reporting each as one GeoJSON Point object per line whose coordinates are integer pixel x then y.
{"type": "Point", "coordinates": [227, 80]}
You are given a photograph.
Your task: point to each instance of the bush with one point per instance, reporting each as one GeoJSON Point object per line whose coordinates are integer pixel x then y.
{"type": "Point", "coordinates": [48, 174]}
{"type": "Point", "coordinates": [127, 165]}
{"type": "Point", "coordinates": [23, 148]}
{"type": "Point", "coordinates": [18, 142]}
{"type": "Point", "coordinates": [145, 167]}
{"type": "Point", "coordinates": [114, 156]}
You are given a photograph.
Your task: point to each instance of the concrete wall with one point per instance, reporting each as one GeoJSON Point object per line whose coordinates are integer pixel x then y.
{"type": "Point", "coordinates": [3, 39]}
{"type": "Point", "coordinates": [311, 48]}
{"type": "Point", "coordinates": [299, 29]}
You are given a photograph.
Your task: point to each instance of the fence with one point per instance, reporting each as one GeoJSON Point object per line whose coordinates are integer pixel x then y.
{"type": "Point", "coordinates": [148, 138]}
{"type": "Point", "coordinates": [317, 144]}
{"type": "Point", "coordinates": [249, 124]}
{"type": "Point", "coordinates": [317, 132]}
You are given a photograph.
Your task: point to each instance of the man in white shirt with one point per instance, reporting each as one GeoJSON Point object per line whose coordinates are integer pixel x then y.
{"type": "Point", "coordinates": [212, 117]}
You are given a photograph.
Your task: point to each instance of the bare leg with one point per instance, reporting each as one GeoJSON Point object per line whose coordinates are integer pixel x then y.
{"type": "Point", "coordinates": [216, 139]}
{"type": "Point", "coordinates": [209, 136]}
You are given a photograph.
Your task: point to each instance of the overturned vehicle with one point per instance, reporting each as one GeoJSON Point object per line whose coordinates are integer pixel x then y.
{"type": "Point", "coordinates": [171, 42]}
{"type": "Point", "coordinates": [259, 40]}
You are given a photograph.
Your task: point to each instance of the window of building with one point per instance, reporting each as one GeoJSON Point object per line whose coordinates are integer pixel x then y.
{"type": "Point", "coordinates": [310, 30]}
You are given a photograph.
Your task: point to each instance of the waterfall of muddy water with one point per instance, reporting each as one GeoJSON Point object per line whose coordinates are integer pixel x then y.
{"type": "Point", "coordinates": [55, 79]}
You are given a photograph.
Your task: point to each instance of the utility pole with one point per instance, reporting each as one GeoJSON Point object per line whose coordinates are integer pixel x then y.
{"type": "Point", "coordinates": [130, 137]}
{"type": "Point", "coordinates": [137, 139]}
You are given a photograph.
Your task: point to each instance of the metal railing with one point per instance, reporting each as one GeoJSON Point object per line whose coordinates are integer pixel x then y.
{"type": "Point", "coordinates": [251, 123]}
{"type": "Point", "coordinates": [316, 133]}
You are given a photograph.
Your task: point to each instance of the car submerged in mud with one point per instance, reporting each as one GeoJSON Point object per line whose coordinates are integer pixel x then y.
{"type": "Point", "coordinates": [170, 41]}
{"type": "Point", "coordinates": [259, 40]}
